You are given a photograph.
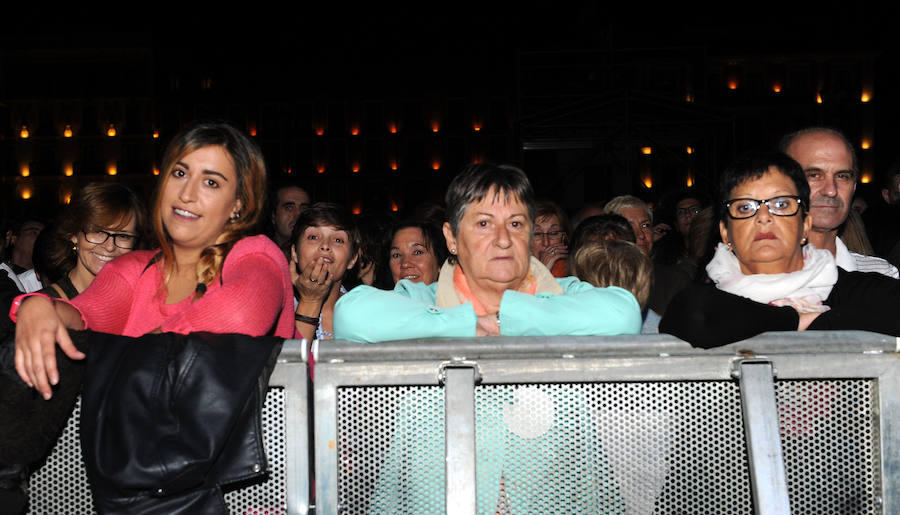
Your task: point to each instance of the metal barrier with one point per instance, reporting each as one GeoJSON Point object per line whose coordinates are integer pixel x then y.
{"type": "Point", "coordinates": [785, 422]}
{"type": "Point", "coordinates": [61, 486]}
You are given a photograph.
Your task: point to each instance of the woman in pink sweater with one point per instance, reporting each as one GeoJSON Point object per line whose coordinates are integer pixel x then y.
{"type": "Point", "coordinates": [208, 274]}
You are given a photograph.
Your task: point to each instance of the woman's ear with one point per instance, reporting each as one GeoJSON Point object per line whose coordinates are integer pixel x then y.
{"type": "Point", "coordinates": [723, 233]}
{"type": "Point", "coordinates": [238, 205]}
{"type": "Point", "coordinates": [807, 226]}
{"type": "Point", "coordinates": [294, 257]}
{"type": "Point", "coordinates": [448, 236]}
{"type": "Point", "coordinates": [353, 261]}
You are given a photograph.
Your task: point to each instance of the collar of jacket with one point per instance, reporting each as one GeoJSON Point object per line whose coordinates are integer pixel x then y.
{"type": "Point", "coordinates": [448, 297]}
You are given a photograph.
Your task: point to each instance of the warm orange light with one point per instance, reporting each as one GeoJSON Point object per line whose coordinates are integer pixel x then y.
{"type": "Point", "coordinates": [354, 130]}
{"type": "Point", "coordinates": [818, 98]}
{"type": "Point", "coordinates": [355, 167]}
{"type": "Point", "coordinates": [865, 97]}
{"type": "Point", "coordinates": [689, 97]}
{"type": "Point", "coordinates": [155, 134]}
{"type": "Point", "coordinates": [689, 149]}
{"type": "Point", "coordinates": [68, 198]}
{"type": "Point", "coordinates": [320, 169]}
{"type": "Point", "coordinates": [393, 128]}
{"type": "Point", "coordinates": [24, 134]}
{"type": "Point", "coordinates": [477, 160]}
{"type": "Point", "coordinates": [733, 84]}
{"type": "Point", "coordinates": [253, 129]}
{"type": "Point", "coordinates": [394, 207]}
{"type": "Point", "coordinates": [357, 209]}
{"type": "Point", "coordinates": [776, 87]}
{"type": "Point", "coordinates": [393, 165]}
{"type": "Point", "coordinates": [476, 126]}
{"type": "Point", "coordinates": [866, 144]}
{"type": "Point", "coordinates": [320, 131]}
{"type": "Point", "coordinates": [111, 169]}
{"type": "Point", "coordinates": [67, 132]}
{"type": "Point", "coordinates": [69, 170]}
{"type": "Point", "coordinates": [646, 150]}
{"type": "Point", "coordinates": [435, 126]}
{"type": "Point", "coordinates": [866, 178]}
{"type": "Point", "coordinates": [111, 130]}
{"type": "Point", "coordinates": [155, 170]}
{"type": "Point", "coordinates": [648, 182]}
{"type": "Point", "coordinates": [26, 193]}
{"type": "Point", "coordinates": [690, 181]}
{"type": "Point", "coordinates": [435, 165]}
{"type": "Point", "coordinates": [25, 170]}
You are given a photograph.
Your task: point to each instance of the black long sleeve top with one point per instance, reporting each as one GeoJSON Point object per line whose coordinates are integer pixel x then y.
{"type": "Point", "coordinates": [707, 317]}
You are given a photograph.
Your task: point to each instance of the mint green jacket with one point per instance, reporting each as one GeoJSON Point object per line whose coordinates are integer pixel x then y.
{"type": "Point", "coordinates": [367, 314]}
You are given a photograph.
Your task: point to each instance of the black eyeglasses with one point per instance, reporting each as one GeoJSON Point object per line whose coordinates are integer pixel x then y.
{"type": "Point", "coordinates": [785, 205]}
{"type": "Point", "coordinates": [550, 235]}
{"type": "Point", "coordinates": [120, 239]}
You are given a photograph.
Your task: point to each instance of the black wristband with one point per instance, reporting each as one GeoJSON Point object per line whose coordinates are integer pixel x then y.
{"type": "Point", "coordinates": [306, 320]}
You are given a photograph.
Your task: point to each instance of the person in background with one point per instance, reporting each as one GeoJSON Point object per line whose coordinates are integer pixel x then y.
{"type": "Point", "coordinates": [288, 202]}
{"type": "Point", "coordinates": [613, 262]}
{"type": "Point", "coordinates": [325, 247]}
{"type": "Point", "coordinates": [668, 279]}
{"type": "Point", "coordinates": [20, 254]}
{"type": "Point", "coordinates": [599, 228]}
{"type": "Point", "coordinates": [375, 232]}
{"type": "Point", "coordinates": [417, 252]}
{"type": "Point", "coordinates": [551, 232]}
{"type": "Point", "coordinates": [831, 168]}
{"type": "Point", "coordinates": [102, 221]}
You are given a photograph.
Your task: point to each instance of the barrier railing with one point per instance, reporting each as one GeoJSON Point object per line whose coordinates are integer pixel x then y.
{"type": "Point", "coordinates": [785, 422]}
{"type": "Point", "coordinates": [61, 486]}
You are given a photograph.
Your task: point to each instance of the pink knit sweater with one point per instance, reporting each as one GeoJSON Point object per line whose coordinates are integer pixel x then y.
{"type": "Point", "coordinates": [254, 296]}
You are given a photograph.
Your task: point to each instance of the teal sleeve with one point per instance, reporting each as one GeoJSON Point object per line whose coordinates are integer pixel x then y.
{"type": "Point", "coordinates": [367, 314]}
{"type": "Point", "coordinates": [582, 310]}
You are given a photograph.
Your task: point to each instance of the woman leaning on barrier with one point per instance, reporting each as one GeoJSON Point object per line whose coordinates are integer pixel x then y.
{"type": "Point", "coordinates": [208, 275]}
{"type": "Point", "coordinates": [767, 277]}
{"type": "Point", "coordinates": [490, 285]}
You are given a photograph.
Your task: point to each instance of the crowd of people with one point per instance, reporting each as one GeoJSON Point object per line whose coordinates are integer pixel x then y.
{"type": "Point", "coordinates": [774, 251]}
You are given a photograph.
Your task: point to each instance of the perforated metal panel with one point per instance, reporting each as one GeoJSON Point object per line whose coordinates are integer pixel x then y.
{"type": "Point", "coordinates": [391, 450]}
{"type": "Point", "coordinates": [266, 498]}
{"type": "Point", "coordinates": [829, 434]}
{"type": "Point", "coordinates": [60, 485]}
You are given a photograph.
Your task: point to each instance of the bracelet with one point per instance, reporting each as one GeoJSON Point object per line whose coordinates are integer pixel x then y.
{"type": "Point", "coordinates": [306, 320]}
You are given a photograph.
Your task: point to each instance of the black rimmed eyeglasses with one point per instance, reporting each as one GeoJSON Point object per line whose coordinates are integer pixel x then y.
{"type": "Point", "coordinates": [120, 239]}
{"type": "Point", "coordinates": [785, 205]}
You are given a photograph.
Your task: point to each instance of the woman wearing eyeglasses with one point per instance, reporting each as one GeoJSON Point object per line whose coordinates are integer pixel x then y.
{"type": "Point", "coordinates": [102, 221]}
{"type": "Point", "coordinates": [551, 230]}
{"type": "Point", "coordinates": [766, 276]}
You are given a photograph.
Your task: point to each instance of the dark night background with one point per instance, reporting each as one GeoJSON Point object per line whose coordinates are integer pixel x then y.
{"type": "Point", "coordinates": [571, 92]}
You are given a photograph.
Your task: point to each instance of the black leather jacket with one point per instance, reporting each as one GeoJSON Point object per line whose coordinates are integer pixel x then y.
{"type": "Point", "coordinates": [168, 419]}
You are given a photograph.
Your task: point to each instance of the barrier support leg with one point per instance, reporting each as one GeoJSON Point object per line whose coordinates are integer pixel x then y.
{"type": "Point", "coordinates": [459, 405]}
{"type": "Point", "coordinates": [767, 475]}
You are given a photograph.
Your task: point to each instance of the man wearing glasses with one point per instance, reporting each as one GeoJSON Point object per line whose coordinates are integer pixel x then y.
{"type": "Point", "coordinates": [829, 162]}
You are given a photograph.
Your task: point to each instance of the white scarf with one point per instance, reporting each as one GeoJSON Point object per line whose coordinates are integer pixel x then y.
{"type": "Point", "coordinates": [804, 290]}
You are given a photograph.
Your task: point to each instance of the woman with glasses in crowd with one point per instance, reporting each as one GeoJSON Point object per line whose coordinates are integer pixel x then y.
{"type": "Point", "coordinates": [101, 222]}
{"type": "Point", "coordinates": [550, 242]}
{"type": "Point", "coordinates": [766, 276]}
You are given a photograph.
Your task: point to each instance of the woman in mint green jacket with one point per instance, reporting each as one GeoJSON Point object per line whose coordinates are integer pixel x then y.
{"type": "Point", "coordinates": [491, 285]}
{"type": "Point", "coordinates": [527, 461]}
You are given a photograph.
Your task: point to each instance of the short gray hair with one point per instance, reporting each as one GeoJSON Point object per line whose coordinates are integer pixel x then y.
{"type": "Point", "coordinates": [474, 183]}
{"type": "Point", "coordinates": [616, 205]}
